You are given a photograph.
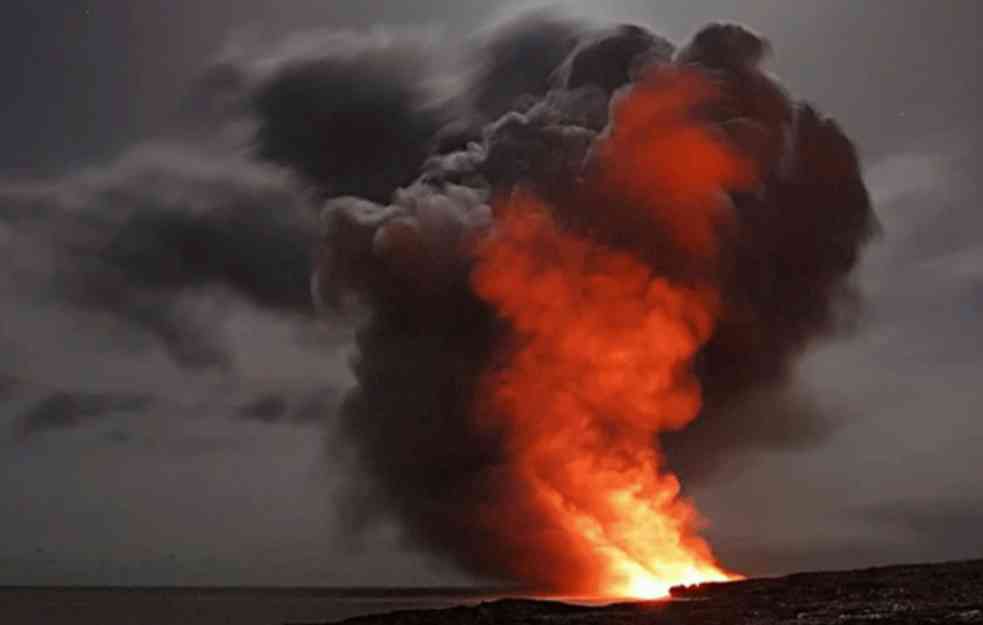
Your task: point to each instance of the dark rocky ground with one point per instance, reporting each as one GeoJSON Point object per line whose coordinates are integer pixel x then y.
{"type": "Point", "coordinates": [950, 593]}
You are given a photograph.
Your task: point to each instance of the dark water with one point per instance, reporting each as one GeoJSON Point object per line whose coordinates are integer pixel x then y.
{"type": "Point", "coordinates": [197, 606]}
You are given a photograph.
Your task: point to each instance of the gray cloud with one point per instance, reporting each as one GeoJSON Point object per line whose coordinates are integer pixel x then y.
{"type": "Point", "coordinates": [931, 528]}
{"type": "Point", "coordinates": [8, 385]}
{"type": "Point", "coordinates": [280, 407]}
{"type": "Point", "coordinates": [183, 247]}
{"type": "Point", "coordinates": [268, 408]}
{"type": "Point", "coordinates": [138, 239]}
{"type": "Point", "coordinates": [66, 409]}
{"type": "Point", "coordinates": [915, 529]}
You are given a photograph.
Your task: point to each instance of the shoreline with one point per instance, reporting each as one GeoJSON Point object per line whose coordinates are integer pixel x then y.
{"type": "Point", "coordinates": [928, 594]}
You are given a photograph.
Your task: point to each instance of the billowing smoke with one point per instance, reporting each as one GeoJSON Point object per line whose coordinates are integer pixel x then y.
{"type": "Point", "coordinates": [690, 167]}
{"type": "Point", "coordinates": [165, 222]}
{"type": "Point", "coordinates": [414, 185]}
{"type": "Point", "coordinates": [536, 119]}
{"type": "Point", "coordinates": [157, 257]}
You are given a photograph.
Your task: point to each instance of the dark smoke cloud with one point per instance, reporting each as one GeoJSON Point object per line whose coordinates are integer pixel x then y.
{"type": "Point", "coordinates": [539, 101]}
{"type": "Point", "coordinates": [68, 409]}
{"type": "Point", "coordinates": [516, 62]}
{"type": "Point", "coordinates": [798, 240]}
{"type": "Point", "coordinates": [773, 418]}
{"type": "Point", "coordinates": [139, 239]}
{"type": "Point", "coordinates": [613, 57]}
{"type": "Point", "coordinates": [355, 118]}
{"type": "Point", "coordinates": [409, 171]}
{"type": "Point", "coordinates": [185, 238]}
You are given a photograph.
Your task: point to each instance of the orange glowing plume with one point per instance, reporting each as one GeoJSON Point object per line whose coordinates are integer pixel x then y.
{"type": "Point", "coordinates": [603, 348]}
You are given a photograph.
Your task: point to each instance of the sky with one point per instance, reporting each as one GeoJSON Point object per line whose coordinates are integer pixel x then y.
{"type": "Point", "coordinates": [185, 438]}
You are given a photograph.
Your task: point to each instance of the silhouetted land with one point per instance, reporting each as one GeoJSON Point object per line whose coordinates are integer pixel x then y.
{"type": "Point", "coordinates": [950, 593]}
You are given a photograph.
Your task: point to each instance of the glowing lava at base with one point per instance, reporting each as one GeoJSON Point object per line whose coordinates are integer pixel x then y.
{"type": "Point", "coordinates": [602, 364]}
{"type": "Point", "coordinates": [602, 350]}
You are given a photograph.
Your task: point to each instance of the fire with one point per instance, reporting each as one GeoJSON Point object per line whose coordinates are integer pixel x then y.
{"type": "Point", "coordinates": [603, 349]}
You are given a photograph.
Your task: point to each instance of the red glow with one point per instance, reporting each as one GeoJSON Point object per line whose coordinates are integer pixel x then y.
{"type": "Point", "coordinates": [603, 348]}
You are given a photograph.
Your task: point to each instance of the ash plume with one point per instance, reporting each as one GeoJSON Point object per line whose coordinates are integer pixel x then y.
{"type": "Point", "coordinates": [350, 114]}
{"type": "Point", "coordinates": [537, 106]}
{"type": "Point", "coordinates": [415, 152]}
{"type": "Point", "coordinates": [138, 239]}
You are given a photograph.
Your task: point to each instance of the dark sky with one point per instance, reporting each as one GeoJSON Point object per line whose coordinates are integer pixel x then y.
{"type": "Point", "coordinates": [121, 464]}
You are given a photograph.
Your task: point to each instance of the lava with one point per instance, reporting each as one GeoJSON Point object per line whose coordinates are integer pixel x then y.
{"type": "Point", "coordinates": [602, 341]}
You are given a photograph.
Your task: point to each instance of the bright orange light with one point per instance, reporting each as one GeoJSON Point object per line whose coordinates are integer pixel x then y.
{"type": "Point", "coordinates": [603, 351]}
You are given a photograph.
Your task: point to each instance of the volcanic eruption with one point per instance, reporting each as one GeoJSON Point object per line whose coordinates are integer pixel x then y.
{"type": "Point", "coordinates": [601, 239]}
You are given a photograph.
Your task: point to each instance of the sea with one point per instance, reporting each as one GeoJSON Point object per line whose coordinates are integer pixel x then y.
{"type": "Point", "coordinates": [216, 606]}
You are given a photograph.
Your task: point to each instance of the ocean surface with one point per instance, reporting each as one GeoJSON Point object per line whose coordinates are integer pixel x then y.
{"type": "Point", "coordinates": [211, 606]}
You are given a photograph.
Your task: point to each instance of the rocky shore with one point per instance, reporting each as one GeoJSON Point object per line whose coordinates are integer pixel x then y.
{"type": "Point", "coordinates": [949, 593]}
